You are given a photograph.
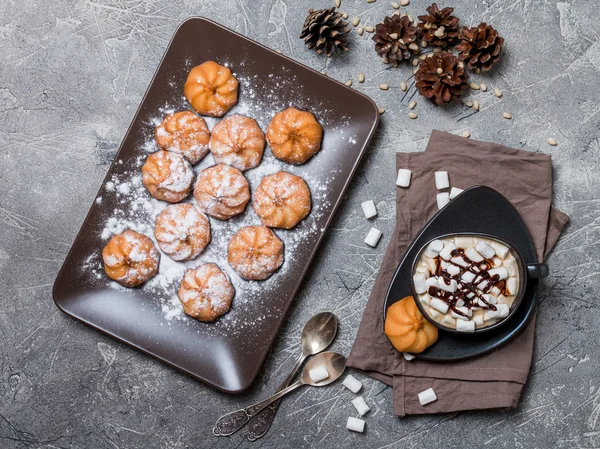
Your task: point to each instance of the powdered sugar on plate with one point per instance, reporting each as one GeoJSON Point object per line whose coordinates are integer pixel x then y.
{"type": "Point", "coordinates": [137, 210]}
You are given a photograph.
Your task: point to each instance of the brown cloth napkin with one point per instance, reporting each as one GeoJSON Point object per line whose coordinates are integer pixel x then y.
{"type": "Point", "coordinates": [497, 378]}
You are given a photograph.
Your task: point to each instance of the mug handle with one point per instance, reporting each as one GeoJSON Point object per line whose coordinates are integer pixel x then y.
{"type": "Point", "coordinates": [537, 270]}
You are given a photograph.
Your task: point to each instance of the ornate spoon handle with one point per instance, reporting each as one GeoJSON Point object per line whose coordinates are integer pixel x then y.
{"type": "Point", "coordinates": [232, 422]}
{"type": "Point", "coordinates": [261, 422]}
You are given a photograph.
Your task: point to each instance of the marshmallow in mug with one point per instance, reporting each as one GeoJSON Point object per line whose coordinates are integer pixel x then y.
{"type": "Point", "coordinates": [466, 282]}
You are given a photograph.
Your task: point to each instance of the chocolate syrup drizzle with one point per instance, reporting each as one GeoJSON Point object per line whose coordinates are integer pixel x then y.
{"type": "Point", "coordinates": [480, 269]}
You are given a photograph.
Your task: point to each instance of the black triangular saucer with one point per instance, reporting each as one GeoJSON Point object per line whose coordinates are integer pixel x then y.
{"type": "Point", "coordinates": [479, 209]}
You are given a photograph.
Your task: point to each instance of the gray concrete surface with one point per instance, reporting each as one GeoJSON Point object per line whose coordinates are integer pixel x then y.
{"type": "Point", "coordinates": [72, 74]}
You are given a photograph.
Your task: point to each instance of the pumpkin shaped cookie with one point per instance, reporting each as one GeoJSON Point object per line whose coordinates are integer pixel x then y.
{"type": "Point", "coordinates": [255, 252]}
{"type": "Point", "coordinates": [184, 133]}
{"type": "Point", "coordinates": [211, 89]}
{"type": "Point", "coordinates": [130, 258]}
{"type": "Point", "coordinates": [205, 292]}
{"type": "Point", "coordinates": [294, 136]}
{"type": "Point", "coordinates": [282, 200]}
{"type": "Point", "coordinates": [222, 191]}
{"type": "Point", "coordinates": [167, 176]}
{"type": "Point", "coordinates": [237, 141]}
{"type": "Point", "coordinates": [407, 329]}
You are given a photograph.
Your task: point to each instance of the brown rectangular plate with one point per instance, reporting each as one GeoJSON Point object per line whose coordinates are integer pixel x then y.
{"type": "Point", "coordinates": [228, 353]}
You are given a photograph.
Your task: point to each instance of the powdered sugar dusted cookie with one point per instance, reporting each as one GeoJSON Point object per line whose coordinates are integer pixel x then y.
{"type": "Point", "coordinates": [184, 133]}
{"type": "Point", "coordinates": [222, 191]}
{"type": "Point", "coordinates": [130, 258]}
{"type": "Point", "coordinates": [237, 141]}
{"type": "Point", "coordinates": [205, 292]}
{"type": "Point", "coordinates": [182, 231]}
{"type": "Point", "coordinates": [167, 176]}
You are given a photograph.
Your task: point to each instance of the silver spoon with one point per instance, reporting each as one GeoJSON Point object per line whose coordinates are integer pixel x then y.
{"type": "Point", "coordinates": [317, 335]}
{"type": "Point", "coordinates": [334, 363]}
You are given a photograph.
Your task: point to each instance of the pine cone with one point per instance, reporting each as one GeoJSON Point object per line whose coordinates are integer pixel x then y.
{"type": "Point", "coordinates": [441, 77]}
{"type": "Point", "coordinates": [479, 46]}
{"type": "Point", "coordinates": [395, 39]}
{"type": "Point", "coordinates": [439, 28]}
{"type": "Point", "coordinates": [325, 29]}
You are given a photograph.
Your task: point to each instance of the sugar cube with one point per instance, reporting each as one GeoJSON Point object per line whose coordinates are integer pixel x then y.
{"type": "Point", "coordinates": [352, 383]}
{"type": "Point", "coordinates": [442, 199]}
{"type": "Point", "coordinates": [369, 208]}
{"type": "Point", "coordinates": [355, 424]}
{"type": "Point", "coordinates": [427, 396]}
{"type": "Point", "coordinates": [403, 179]}
{"type": "Point", "coordinates": [360, 405]}
{"type": "Point", "coordinates": [373, 237]}
{"type": "Point", "coordinates": [454, 192]}
{"type": "Point", "coordinates": [318, 373]}
{"type": "Point", "coordinates": [441, 180]}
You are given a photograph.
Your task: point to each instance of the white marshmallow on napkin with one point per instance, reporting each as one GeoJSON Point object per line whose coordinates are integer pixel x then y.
{"type": "Point", "coordinates": [442, 199]}
{"type": "Point", "coordinates": [369, 208]}
{"type": "Point", "coordinates": [433, 249]}
{"type": "Point", "coordinates": [408, 356]}
{"type": "Point", "coordinates": [454, 192]}
{"type": "Point", "coordinates": [465, 326]}
{"type": "Point", "coordinates": [352, 383]}
{"type": "Point", "coordinates": [360, 405]}
{"type": "Point", "coordinates": [419, 282]}
{"type": "Point", "coordinates": [427, 396]}
{"type": "Point", "coordinates": [403, 179]}
{"type": "Point", "coordinates": [373, 237]}
{"type": "Point", "coordinates": [355, 424]}
{"type": "Point", "coordinates": [441, 180]}
{"type": "Point", "coordinates": [446, 253]}
{"type": "Point", "coordinates": [485, 250]}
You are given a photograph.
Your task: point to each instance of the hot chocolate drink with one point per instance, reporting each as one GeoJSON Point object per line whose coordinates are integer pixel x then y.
{"type": "Point", "coordinates": [466, 282]}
